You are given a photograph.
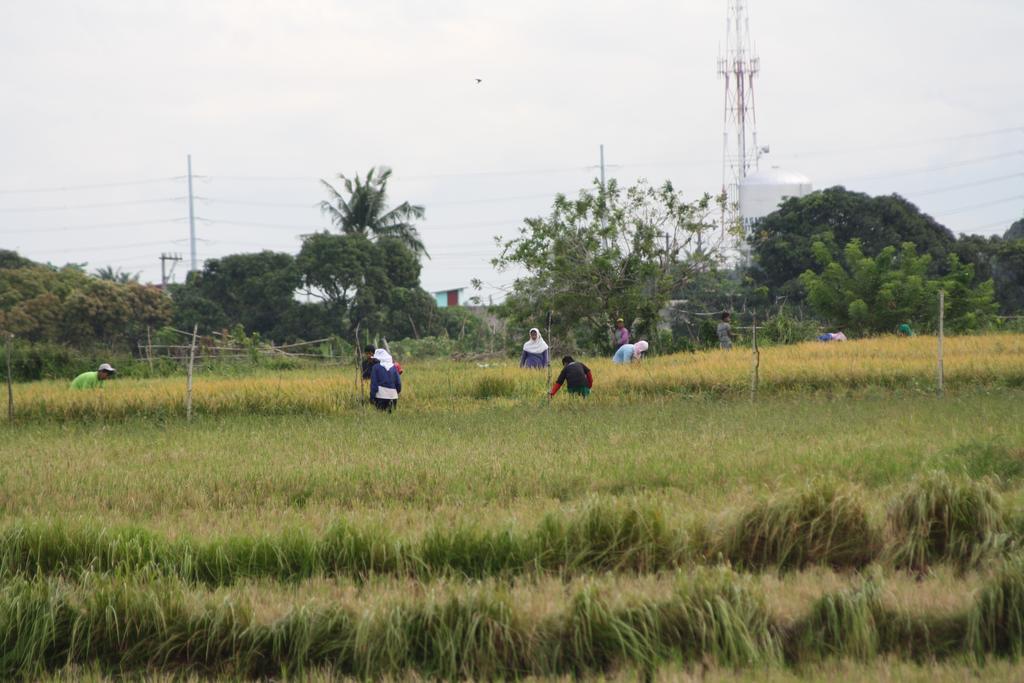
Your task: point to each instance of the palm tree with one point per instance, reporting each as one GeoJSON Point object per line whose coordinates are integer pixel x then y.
{"type": "Point", "coordinates": [365, 210]}
{"type": "Point", "coordinates": [116, 275]}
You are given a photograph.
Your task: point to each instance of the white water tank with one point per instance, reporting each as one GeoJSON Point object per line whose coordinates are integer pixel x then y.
{"type": "Point", "coordinates": [762, 191]}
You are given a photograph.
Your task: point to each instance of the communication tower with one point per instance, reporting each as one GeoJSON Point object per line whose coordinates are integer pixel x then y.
{"type": "Point", "coordinates": [738, 66]}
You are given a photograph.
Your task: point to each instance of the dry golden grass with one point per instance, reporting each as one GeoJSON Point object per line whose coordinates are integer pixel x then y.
{"type": "Point", "coordinates": [886, 363]}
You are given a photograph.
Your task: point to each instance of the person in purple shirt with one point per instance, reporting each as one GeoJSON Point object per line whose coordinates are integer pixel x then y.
{"type": "Point", "coordinates": [620, 335]}
{"type": "Point", "coordinates": [535, 351]}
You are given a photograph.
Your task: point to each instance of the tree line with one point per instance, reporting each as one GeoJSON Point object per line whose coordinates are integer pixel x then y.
{"type": "Point", "coordinates": [646, 253]}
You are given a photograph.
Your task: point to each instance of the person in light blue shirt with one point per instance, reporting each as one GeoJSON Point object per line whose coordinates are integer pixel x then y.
{"type": "Point", "coordinates": [628, 353]}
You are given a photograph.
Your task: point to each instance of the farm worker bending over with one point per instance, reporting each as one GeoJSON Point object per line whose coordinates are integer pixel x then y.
{"type": "Point", "coordinates": [93, 380]}
{"type": "Point", "coordinates": [904, 330]}
{"type": "Point", "coordinates": [725, 335]}
{"type": "Point", "coordinates": [630, 352]}
{"type": "Point", "coordinates": [577, 375]}
{"type": "Point", "coordinates": [535, 351]}
{"type": "Point", "coordinates": [620, 335]}
{"type": "Point", "coordinates": [385, 382]}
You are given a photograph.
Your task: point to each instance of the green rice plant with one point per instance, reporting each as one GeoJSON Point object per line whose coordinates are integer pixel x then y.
{"type": "Point", "coordinates": [713, 616]}
{"type": "Point", "coordinates": [472, 553]}
{"type": "Point", "coordinates": [995, 624]}
{"type": "Point", "coordinates": [819, 525]}
{"type": "Point", "coordinates": [979, 460]}
{"type": "Point", "coordinates": [608, 538]}
{"type": "Point", "coordinates": [944, 518]}
{"type": "Point", "coordinates": [494, 386]}
{"type": "Point", "coordinates": [360, 552]}
{"type": "Point", "coordinates": [719, 615]}
{"type": "Point", "coordinates": [475, 638]}
{"type": "Point", "coordinates": [843, 624]}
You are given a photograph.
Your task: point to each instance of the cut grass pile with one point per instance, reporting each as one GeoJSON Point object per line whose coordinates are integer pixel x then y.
{"type": "Point", "coordinates": [885, 363]}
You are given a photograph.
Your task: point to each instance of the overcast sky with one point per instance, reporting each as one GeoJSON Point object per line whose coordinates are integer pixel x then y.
{"type": "Point", "coordinates": [923, 98]}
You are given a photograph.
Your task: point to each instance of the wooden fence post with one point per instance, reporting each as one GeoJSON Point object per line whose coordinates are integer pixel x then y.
{"type": "Point", "coordinates": [10, 379]}
{"type": "Point", "coordinates": [359, 371]}
{"type": "Point", "coordinates": [942, 315]}
{"type": "Point", "coordinates": [755, 377]}
{"type": "Point", "coordinates": [188, 381]}
{"type": "Point", "coordinates": [550, 360]}
{"type": "Point", "coordinates": [149, 349]}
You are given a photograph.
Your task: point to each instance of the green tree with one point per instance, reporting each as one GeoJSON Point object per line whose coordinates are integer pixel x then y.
{"type": "Point", "coordinates": [874, 294]}
{"type": "Point", "coordinates": [112, 274]}
{"type": "Point", "coordinates": [782, 243]}
{"type": "Point", "coordinates": [363, 210]}
{"type": "Point", "coordinates": [608, 253]}
{"type": "Point", "coordinates": [255, 290]}
{"type": "Point", "coordinates": [1008, 275]}
{"type": "Point", "coordinates": [45, 304]}
{"type": "Point", "coordinates": [363, 283]}
{"type": "Point", "coordinates": [11, 259]}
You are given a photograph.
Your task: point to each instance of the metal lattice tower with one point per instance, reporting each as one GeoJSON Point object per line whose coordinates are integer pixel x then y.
{"type": "Point", "coordinates": [738, 67]}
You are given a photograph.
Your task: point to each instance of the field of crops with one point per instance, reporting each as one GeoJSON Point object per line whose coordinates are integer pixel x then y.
{"type": "Point", "coordinates": [848, 525]}
{"type": "Point", "coordinates": [882, 363]}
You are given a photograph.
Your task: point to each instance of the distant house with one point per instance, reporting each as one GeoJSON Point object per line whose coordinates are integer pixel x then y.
{"type": "Point", "coordinates": [449, 297]}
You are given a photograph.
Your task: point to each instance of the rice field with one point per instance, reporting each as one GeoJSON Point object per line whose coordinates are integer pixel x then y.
{"type": "Point", "coordinates": [884, 363]}
{"type": "Point", "coordinates": [846, 525]}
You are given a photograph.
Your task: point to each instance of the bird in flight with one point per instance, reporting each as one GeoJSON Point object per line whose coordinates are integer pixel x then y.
{"type": "Point", "coordinates": [479, 80]}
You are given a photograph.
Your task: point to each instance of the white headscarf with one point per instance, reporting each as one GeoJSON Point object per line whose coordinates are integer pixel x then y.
{"type": "Point", "coordinates": [639, 348]}
{"type": "Point", "coordinates": [537, 345]}
{"type": "Point", "coordinates": [384, 357]}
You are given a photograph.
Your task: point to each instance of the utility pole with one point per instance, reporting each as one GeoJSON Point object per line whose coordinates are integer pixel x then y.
{"type": "Point", "coordinates": [191, 220]}
{"type": "Point", "coordinates": [164, 274]}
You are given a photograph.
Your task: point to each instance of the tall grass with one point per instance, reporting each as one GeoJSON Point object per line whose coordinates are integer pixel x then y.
{"type": "Point", "coordinates": [600, 538]}
{"type": "Point", "coordinates": [127, 625]}
{"type": "Point", "coordinates": [937, 519]}
{"type": "Point", "coordinates": [124, 626]}
{"type": "Point", "coordinates": [818, 525]}
{"type": "Point", "coordinates": [996, 623]}
{"type": "Point", "coordinates": [946, 518]}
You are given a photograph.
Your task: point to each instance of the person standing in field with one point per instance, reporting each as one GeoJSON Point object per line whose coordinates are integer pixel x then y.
{"type": "Point", "coordinates": [620, 335]}
{"type": "Point", "coordinates": [535, 351]}
{"type": "Point", "coordinates": [630, 352]}
{"type": "Point", "coordinates": [94, 380]}
{"type": "Point", "coordinates": [576, 376]}
{"type": "Point", "coordinates": [385, 381]}
{"type": "Point", "coordinates": [368, 361]}
{"type": "Point", "coordinates": [724, 331]}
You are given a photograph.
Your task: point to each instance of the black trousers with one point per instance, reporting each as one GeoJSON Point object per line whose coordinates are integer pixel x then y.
{"type": "Point", "coordinates": [385, 404]}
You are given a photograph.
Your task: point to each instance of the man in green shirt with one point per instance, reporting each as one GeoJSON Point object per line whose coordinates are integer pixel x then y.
{"type": "Point", "coordinates": [93, 380]}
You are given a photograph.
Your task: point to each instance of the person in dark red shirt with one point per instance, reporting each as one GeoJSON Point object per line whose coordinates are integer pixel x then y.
{"type": "Point", "coordinates": [576, 375]}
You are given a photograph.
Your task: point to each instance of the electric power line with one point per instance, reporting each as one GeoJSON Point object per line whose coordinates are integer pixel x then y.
{"type": "Point", "coordinates": [93, 226]}
{"type": "Point", "coordinates": [983, 205]}
{"type": "Point", "coordinates": [94, 186]}
{"type": "Point", "coordinates": [99, 205]}
{"type": "Point", "coordinates": [964, 186]}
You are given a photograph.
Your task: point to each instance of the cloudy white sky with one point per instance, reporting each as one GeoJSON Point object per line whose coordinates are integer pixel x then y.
{"type": "Point", "coordinates": [919, 97]}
